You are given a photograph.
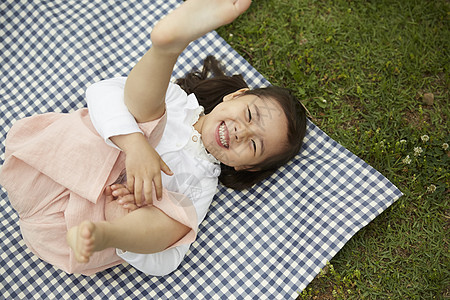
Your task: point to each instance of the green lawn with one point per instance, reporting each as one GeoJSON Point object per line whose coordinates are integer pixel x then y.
{"type": "Point", "coordinates": [375, 76]}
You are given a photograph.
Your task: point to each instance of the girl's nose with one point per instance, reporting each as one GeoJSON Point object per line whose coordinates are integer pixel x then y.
{"type": "Point", "coordinates": [242, 133]}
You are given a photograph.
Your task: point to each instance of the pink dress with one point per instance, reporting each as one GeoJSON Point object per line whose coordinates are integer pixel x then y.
{"type": "Point", "coordinates": [55, 171]}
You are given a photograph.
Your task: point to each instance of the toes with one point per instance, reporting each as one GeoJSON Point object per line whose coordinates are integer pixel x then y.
{"type": "Point", "coordinates": [86, 229]}
{"type": "Point", "coordinates": [85, 242]}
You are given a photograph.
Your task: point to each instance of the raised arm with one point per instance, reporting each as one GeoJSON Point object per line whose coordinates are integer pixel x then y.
{"type": "Point", "coordinates": [148, 81]}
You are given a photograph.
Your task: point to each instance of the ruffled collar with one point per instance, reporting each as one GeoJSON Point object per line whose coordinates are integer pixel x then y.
{"type": "Point", "coordinates": [195, 143]}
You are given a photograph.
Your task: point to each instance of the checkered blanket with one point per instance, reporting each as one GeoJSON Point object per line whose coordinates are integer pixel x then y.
{"type": "Point", "coordinates": [266, 242]}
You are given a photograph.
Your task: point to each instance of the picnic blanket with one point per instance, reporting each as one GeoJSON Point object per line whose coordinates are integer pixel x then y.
{"type": "Point", "coordinates": [266, 242]}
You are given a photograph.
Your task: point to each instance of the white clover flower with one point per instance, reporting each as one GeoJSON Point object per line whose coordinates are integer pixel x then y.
{"type": "Point", "coordinates": [402, 141]}
{"type": "Point", "coordinates": [425, 138]}
{"type": "Point", "coordinates": [417, 151]}
{"type": "Point", "coordinates": [431, 188]}
{"type": "Point", "coordinates": [445, 146]}
{"type": "Point", "coordinates": [407, 160]}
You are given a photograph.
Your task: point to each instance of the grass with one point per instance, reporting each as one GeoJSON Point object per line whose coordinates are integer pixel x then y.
{"type": "Point", "coordinates": [375, 76]}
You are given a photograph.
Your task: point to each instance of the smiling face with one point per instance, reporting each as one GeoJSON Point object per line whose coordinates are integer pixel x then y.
{"type": "Point", "coordinates": [244, 130]}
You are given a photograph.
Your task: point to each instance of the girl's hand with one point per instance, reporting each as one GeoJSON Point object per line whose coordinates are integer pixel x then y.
{"type": "Point", "coordinates": [120, 194]}
{"type": "Point", "coordinates": [123, 196]}
{"type": "Point", "coordinates": [143, 165]}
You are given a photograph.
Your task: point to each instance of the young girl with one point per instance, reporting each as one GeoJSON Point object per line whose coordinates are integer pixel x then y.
{"type": "Point", "coordinates": [67, 184]}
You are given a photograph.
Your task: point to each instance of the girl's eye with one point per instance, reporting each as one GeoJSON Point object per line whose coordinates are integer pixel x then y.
{"type": "Point", "coordinates": [254, 146]}
{"type": "Point", "coordinates": [249, 115]}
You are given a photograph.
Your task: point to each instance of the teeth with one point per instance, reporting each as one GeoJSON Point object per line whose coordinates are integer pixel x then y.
{"type": "Point", "coordinates": [223, 140]}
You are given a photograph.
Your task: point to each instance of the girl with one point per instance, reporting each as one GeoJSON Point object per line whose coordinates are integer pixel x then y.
{"type": "Point", "coordinates": [83, 197]}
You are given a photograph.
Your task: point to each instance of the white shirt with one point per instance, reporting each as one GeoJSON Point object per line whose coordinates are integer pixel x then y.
{"type": "Point", "coordinates": [195, 171]}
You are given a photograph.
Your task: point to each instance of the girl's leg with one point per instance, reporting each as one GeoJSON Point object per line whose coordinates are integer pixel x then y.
{"type": "Point", "coordinates": [147, 82]}
{"type": "Point", "coordinates": [145, 230]}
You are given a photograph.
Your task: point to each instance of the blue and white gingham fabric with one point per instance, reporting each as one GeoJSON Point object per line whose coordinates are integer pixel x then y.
{"type": "Point", "coordinates": [267, 242]}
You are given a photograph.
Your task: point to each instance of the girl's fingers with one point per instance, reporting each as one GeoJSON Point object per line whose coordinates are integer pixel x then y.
{"type": "Point", "coordinates": [138, 192]}
{"type": "Point", "coordinates": [118, 186]}
{"type": "Point", "coordinates": [128, 199]}
{"type": "Point", "coordinates": [130, 182]}
{"type": "Point", "coordinates": [148, 192]}
{"type": "Point", "coordinates": [158, 187]}
{"type": "Point", "coordinates": [108, 194]}
{"type": "Point", "coordinates": [130, 206]}
{"type": "Point", "coordinates": [165, 168]}
{"type": "Point", "coordinates": [121, 192]}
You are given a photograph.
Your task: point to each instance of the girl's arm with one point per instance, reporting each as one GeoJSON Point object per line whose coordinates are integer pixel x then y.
{"type": "Point", "coordinates": [107, 109]}
{"type": "Point", "coordinates": [117, 126]}
{"type": "Point", "coordinates": [147, 83]}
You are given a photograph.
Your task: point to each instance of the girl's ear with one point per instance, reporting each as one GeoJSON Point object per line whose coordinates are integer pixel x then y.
{"type": "Point", "coordinates": [235, 94]}
{"type": "Point", "coordinates": [247, 168]}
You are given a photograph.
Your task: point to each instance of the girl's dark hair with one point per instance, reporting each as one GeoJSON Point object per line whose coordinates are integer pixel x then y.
{"type": "Point", "coordinates": [211, 85]}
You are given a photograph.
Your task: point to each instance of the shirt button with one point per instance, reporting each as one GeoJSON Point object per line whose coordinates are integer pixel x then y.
{"type": "Point", "coordinates": [194, 138]}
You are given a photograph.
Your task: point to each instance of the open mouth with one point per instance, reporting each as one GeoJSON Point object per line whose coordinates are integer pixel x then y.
{"type": "Point", "coordinates": [222, 134]}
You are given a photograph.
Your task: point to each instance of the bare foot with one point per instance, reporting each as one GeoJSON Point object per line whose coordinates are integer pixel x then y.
{"type": "Point", "coordinates": [193, 19]}
{"type": "Point", "coordinates": [82, 240]}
